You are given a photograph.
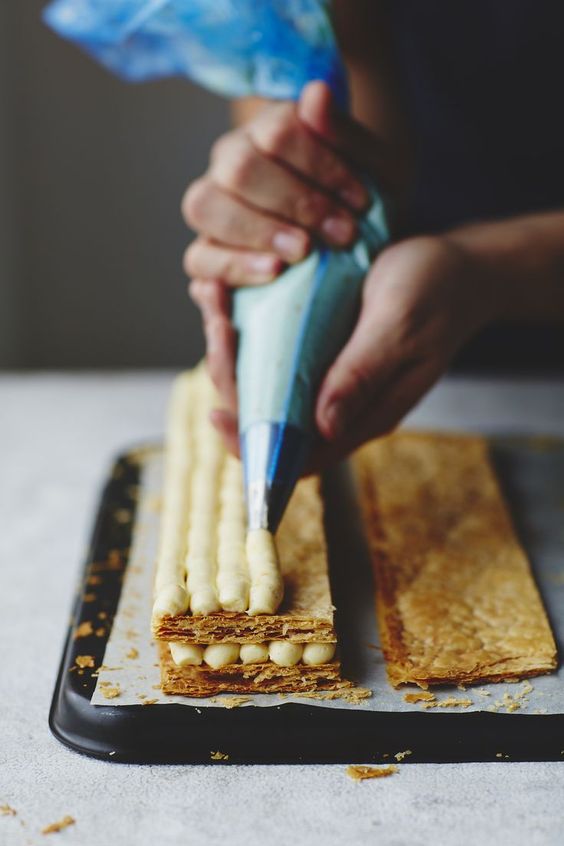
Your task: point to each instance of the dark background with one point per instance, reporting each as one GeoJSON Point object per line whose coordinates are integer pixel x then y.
{"type": "Point", "coordinates": [92, 171]}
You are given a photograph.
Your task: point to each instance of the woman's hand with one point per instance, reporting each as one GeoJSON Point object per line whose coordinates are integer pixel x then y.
{"type": "Point", "coordinates": [275, 183]}
{"type": "Point", "coordinates": [422, 299]}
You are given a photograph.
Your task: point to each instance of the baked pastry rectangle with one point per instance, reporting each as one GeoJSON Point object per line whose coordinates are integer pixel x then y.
{"type": "Point", "coordinates": [456, 599]}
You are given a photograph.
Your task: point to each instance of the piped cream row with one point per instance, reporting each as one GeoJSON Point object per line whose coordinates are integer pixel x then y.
{"type": "Point", "coordinates": [207, 561]}
{"type": "Point", "coordinates": [280, 652]}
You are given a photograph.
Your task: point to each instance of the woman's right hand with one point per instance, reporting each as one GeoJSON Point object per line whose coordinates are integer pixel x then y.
{"type": "Point", "coordinates": [286, 177]}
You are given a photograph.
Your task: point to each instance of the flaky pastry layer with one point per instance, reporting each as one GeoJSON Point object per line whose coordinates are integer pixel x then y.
{"type": "Point", "coordinates": [268, 677]}
{"type": "Point", "coordinates": [456, 599]}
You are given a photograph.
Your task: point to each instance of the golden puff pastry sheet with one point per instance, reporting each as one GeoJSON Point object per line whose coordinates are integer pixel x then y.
{"type": "Point", "coordinates": [456, 599]}
{"type": "Point", "coordinates": [267, 677]}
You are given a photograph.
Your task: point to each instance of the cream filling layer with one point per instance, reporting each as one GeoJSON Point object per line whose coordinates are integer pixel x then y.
{"type": "Point", "coordinates": [207, 561]}
{"type": "Point", "coordinates": [280, 652]}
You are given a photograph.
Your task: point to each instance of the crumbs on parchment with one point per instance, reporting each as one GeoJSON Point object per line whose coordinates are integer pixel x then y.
{"type": "Point", "coordinates": [149, 701]}
{"type": "Point", "coordinates": [108, 690]}
{"type": "Point", "coordinates": [219, 756]}
{"type": "Point", "coordinates": [133, 653]}
{"type": "Point", "coordinates": [7, 811]}
{"type": "Point", "coordinates": [449, 702]}
{"type": "Point", "coordinates": [52, 828]}
{"type": "Point", "coordinates": [230, 701]}
{"type": "Point", "coordinates": [360, 773]}
{"type": "Point", "coordinates": [420, 696]}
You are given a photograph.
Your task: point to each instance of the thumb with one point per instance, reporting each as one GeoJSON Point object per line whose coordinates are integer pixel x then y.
{"type": "Point", "coordinates": [363, 368]}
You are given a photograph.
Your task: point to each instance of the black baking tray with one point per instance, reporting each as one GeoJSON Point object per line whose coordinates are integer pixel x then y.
{"type": "Point", "coordinates": [292, 733]}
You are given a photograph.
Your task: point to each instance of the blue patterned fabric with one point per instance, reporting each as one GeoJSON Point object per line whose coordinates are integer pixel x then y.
{"type": "Point", "coordinates": [270, 48]}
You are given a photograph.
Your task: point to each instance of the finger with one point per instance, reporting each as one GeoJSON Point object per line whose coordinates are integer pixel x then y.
{"type": "Point", "coordinates": [221, 346]}
{"type": "Point", "coordinates": [226, 424]}
{"type": "Point", "coordinates": [211, 296]}
{"type": "Point", "coordinates": [205, 259]}
{"type": "Point", "coordinates": [282, 136]}
{"type": "Point", "coordinates": [212, 212]}
{"type": "Point", "coordinates": [239, 168]}
{"type": "Point", "coordinates": [388, 407]}
{"type": "Point", "coordinates": [348, 137]}
{"type": "Point", "coordinates": [364, 365]}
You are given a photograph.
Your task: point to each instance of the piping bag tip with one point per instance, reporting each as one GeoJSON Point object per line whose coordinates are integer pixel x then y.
{"type": "Point", "coordinates": [274, 456]}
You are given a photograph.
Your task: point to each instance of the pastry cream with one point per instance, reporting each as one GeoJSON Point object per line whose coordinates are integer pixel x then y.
{"type": "Point", "coordinates": [284, 653]}
{"type": "Point", "coordinates": [171, 596]}
{"type": "Point", "coordinates": [218, 655]}
{"type": "Point", "coordinates": [186, 654]}
{"type": "Point", "coordinates": [232, 572]}
{"type": "Point", "coordinates": [267, 587]}
{"type": "Point", "coordinates": [207, 562]}
{"type": "Point", "coordinates": [254, 653]}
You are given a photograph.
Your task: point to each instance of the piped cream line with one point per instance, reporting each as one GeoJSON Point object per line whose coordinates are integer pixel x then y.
{"type": "Point", "coordinates": [171, 597]}
{"type": "Point", "coordinates": [267, 586]}
{"type": "Point", "coordinates": [201, 566]}
{"type": "Point", "coordinates": [232, 571]}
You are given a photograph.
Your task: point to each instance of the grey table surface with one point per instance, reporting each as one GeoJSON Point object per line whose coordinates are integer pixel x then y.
{"type": "Point", "coordinates": [58, 434]}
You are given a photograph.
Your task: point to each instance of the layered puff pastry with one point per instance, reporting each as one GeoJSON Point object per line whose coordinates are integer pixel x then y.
{"type": "Point", "coordinates": [235, 611]}
{"type": "Point", "coordinates": [456, 599]}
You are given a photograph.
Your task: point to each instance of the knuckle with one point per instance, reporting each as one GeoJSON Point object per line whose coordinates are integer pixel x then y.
{"type": "Point", "coordinates": [191, 259]}
{"type": "Point", "coordinates": [194, 202]}
{"type": "Point", "coordinates": [274, 134]}
{"type": "Point", "coordinates": [221, 146]}
{"type": "Point", "coordinates": [360, 377]}
{"type": "Point", "coordinates": [311, 208]}
{"type": "Point", "coordinates": [234, 171]}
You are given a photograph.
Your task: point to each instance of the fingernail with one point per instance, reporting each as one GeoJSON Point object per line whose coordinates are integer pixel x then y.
{"type": "Point", "coordinates": [334, 420]}
{"type": "Point", "coordinates": [355, 196]}
{"type": "Point", "coordinates": [289, 245]}
{"type": "Point", "coordinates": [267, 265]}
{"type": "Point", "coordinates": [338, 230]}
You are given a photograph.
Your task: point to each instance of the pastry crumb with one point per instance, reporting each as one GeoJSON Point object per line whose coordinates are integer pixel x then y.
{"type": "Point", "coordinates": [360, 773]}
{"type": "Point", "coordinates": [230, 701]}
{"type": "Point", "coordinates": [355, 695]}
{"type": "Point", "coordinates": [123, 515]}
{"type": "Point", "coordinates": [100, 632]}
{"type": "Point", "coordinates": [108, 691]}
{"type": "Point", "coordinates": [133, 653]}
{"type": "Point", "coordinates": [84, 630]}
{"type": "Point", "coordinates": [219, 756]}
{"type": "Point", "coordinates": [420, 696]}
{"type": "Point", "coordinates": [59, 825]}
{"type": "Point", "coordinates": [449, 702]}
{"type": "Point", "coordinates": [149, 701]}
{"type": "Point", "coordinates": [84, 661]}
{"type": "Point", "coordinates": [7, 811]}
{"type": "Point", "coordinates": [399, 756]}
{"type": "Point", "coordinates": [481, 692]}
{"type": "Point", "coordinates": [94, 580]}
{"type": "Point", "coordinates": [89, 597]}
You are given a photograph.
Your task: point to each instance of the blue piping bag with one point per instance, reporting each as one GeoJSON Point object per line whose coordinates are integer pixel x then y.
{"type": "Point", "coordinates": [291, 330]}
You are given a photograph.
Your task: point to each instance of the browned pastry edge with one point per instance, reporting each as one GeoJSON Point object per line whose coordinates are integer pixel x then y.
{"type": "Point", "coordinates": [451, 577]}
{"type": "Point", "coordinates": [246, 678]}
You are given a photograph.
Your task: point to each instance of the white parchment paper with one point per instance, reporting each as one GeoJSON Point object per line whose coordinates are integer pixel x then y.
{"type": "Point", "coordinates": [532, 476]}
